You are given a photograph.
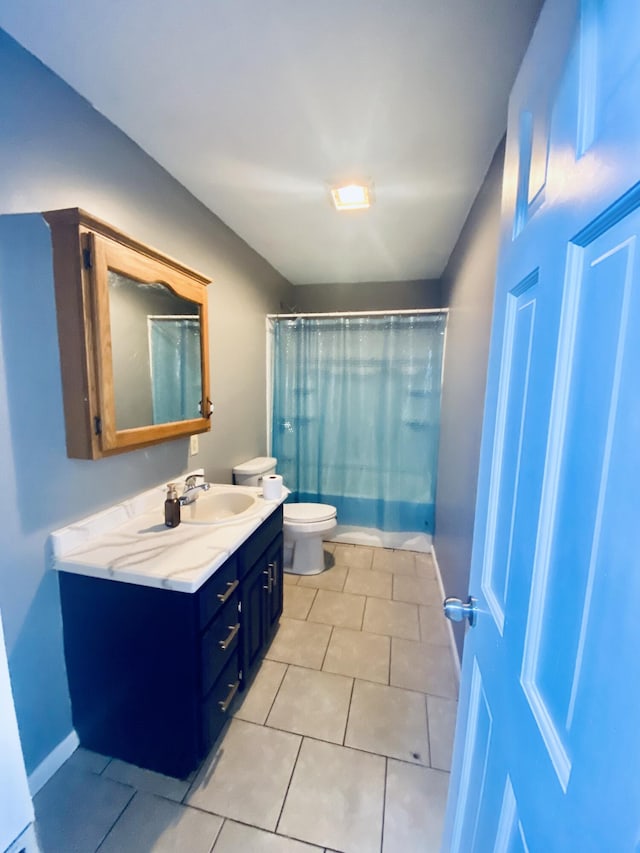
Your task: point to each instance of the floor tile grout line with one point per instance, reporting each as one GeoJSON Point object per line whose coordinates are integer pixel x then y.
{"type": "Point", "coordinates": [286, 793]}
{"type": "Point", "coordinates": [220, 828]}
{"type": "Point", "coordinates": [368, 681]}
{"type": "Point", "coordinates": [384, 802]}
{"type": "Point", "coordinates": [358, 749]}
{"type": "Point", "coordinates": [317, 739]}
{"type": "Point", "coordinates": [346, 722]}
{"type": "Point", "coordinates": [377, 633]}
{"type": "Point", "coordinates": [426, 711]}
{"type": "Point", "coordinates": [313, 601]}
{"type": "Point", "coordinates": [364, 678]}
{"type": "Point", "coordinates": [287, 666]}
{"type": "Point", "coordinates": [326, 648]}
{"type": "Point", "coordinates": [242, 822]}
{"type": "Point", "coordinates": [122, 811]}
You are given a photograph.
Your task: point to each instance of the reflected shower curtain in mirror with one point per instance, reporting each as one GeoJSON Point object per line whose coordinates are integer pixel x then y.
{"type": "Point", "coordinates": [176, 385]}
{"type": "Point", "coordinates": [356, 415]}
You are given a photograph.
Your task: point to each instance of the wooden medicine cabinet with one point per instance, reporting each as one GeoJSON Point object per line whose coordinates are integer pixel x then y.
{"type": "Point", "coordinates": [133, 337]}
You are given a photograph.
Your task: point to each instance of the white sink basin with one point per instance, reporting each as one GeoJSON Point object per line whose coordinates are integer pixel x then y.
{"type": "Point", "coordinates": [219, 506]}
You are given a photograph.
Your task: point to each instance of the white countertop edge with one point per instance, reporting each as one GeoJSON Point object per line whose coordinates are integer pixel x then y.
{"type": "Point", "coordinates": [140, 579]}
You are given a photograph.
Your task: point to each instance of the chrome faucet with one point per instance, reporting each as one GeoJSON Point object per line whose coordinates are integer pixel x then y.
{"type": "Point", "coordinates": [192, 489]}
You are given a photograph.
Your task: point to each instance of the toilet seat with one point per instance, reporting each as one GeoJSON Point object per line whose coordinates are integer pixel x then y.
{"type": "Point", "coordinates": [308, 514]}
{"type": "Point", "coordinates": [309, 527]}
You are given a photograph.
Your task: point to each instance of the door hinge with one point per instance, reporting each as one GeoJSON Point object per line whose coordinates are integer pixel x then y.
{"type": "Point", "coordinates": [86, 258]}
{"type": "Point", "coordinates": [97, 424]}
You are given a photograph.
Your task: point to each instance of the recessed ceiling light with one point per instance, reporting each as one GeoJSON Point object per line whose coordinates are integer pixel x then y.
{"type": "Point", "coordinates": [352, 196]}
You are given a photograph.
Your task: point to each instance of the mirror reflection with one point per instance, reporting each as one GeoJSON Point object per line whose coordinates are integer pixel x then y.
{"type": "Point", "coordinates": [155, 340]}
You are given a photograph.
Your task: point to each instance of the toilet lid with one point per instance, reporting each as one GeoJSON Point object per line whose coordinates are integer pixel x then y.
{"type": "Point", "coordinates": [308, 512]}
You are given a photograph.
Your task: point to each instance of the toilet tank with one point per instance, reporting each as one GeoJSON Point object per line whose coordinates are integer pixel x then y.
{"type": "Point", "coordinates": [251, 473]}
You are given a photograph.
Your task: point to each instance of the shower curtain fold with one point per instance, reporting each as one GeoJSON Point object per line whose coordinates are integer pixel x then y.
{"type": "Point", "coordinates": [356, 412]}
{"type": "Point", "coordinates": [175, 368]}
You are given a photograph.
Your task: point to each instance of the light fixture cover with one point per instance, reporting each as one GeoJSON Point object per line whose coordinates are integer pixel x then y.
{"type": "Point", "coordinates": [351, 196]}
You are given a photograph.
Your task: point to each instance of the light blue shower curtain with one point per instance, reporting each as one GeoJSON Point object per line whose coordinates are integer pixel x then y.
{"type": "Point", "coordinates": [176, 376]}
{"type": "Point", "coordinates": [356, 415]}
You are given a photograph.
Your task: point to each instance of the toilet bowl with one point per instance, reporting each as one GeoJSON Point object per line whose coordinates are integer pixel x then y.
{"type": "Point", "coordinates": [305, 526]}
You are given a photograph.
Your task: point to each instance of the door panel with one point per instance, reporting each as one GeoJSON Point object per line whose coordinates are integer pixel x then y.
{"type": "Point", "coordinates": [509, 444]}
{"type": "Point", "coordinates": [547, 728]}
{"type": "Point", "coordinates": [253, 617]}
{"type": "Point", "coordinates": [474, 769]}
{"type": "Point", "coordinates": [586, 409]}
{"type": "Point", "coordinates": [510, 834]}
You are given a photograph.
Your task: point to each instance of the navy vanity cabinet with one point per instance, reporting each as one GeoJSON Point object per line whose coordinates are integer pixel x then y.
{"type": "Point", "coordinates": [261, 581]}
{"type": "Point", "coordinates": [151, 671]}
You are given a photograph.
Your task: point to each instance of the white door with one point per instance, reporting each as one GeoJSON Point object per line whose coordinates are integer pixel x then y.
{"type": "Point", "coordinates": [16, 811]}
{"type": "Point", "coordinates": [547, 752]}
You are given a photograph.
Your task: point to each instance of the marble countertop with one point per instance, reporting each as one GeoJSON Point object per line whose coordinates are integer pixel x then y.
{"type": "Point", "coordinates": [130, 543]}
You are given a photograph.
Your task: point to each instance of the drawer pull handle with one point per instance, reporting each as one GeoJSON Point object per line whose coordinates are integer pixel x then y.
{"type": "Point", "coordinates": [225, 596]}
{"type": "Point", "coordinates": [224, 644]}
{"type": "Point", "coordinates": [224, 704]}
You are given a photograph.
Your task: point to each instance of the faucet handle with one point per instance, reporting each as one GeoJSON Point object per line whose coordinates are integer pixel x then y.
{"type": "Point", "coordinates": [191, 480]}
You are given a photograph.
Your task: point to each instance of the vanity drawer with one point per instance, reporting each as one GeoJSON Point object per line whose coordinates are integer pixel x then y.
{"type": "Point", "coordinates": [218, 590]}
{"type": "Point", "coordinates": [215, 708]}
{"type": "Point", "coordinates": [219, 643]}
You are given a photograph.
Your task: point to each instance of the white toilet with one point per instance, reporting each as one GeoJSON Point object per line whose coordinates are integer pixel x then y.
{"type": "Point", "coordinates": [305, 524]}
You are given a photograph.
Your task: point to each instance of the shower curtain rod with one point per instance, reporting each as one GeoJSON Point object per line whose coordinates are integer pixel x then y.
{"type": "Point", "coordinates": [304, 314]}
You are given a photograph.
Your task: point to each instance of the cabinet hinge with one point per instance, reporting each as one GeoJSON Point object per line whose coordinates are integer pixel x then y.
{"type": "Point", "coordinates": [97, 424]}
{"type": "Point", "coordinates": [86, 258]}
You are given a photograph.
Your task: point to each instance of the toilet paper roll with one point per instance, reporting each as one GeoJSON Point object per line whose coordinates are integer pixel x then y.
{"type": "Point", "coordinates": [272, 487]}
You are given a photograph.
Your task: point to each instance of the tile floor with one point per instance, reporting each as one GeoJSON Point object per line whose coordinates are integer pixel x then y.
{"type": "Point", "coordinates": [342, 743]}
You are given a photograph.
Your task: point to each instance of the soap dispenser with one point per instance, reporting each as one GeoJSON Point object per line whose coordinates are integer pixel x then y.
{"type": "Point", "coordinates": [172, 506]}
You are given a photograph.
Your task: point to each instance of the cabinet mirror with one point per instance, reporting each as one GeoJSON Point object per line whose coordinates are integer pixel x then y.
{"type": "Point", "coordinates": [141, 318]}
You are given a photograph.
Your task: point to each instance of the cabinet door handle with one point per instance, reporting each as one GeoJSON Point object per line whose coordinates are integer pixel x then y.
{"type": "Point", "coordinates": [224, 644]}
{"type": "Point", "coordinates": [270, 581]}
{"type": "Point", "coordinates": [232, 586]}
{"type": "Point", "coordinates": [224, 704]}
{"type": "Point", "coordinates": [273, 570]}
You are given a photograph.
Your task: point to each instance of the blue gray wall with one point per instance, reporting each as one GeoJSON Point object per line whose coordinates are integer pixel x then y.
{"type": "Point", "coordinates": [367, 296]}
{"type": "Point", "coordinates": [468, 286]}
{"type": "Point", "coordinates": [56, 151]}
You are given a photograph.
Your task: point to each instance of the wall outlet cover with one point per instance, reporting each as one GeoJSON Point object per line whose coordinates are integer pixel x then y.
{"type": "Point", "coordinates": [193, 445]}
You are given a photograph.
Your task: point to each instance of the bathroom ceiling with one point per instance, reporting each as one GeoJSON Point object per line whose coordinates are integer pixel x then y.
{"type": "Point", "coordinates": [254, 105]}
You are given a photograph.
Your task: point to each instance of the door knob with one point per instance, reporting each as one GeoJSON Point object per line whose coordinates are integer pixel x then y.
{"type": "Point", "coordinates": [457, 611]}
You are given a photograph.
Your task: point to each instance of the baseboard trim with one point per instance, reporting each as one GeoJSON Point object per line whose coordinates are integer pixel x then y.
{"type": "Point", "coordinates": [372, 537]}
{"type": "Point", "coordinates": [53, 762]}
{"type": "Point", "coordinates": [452, 639]}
